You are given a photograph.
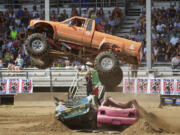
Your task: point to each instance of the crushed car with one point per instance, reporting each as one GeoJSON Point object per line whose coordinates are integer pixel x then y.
{"type": "Point", "coordinates": [112, 113]}
{"type": "Point", "coordinates": [88, 113]}
{"type": "Point", "coordinates": [78, 113]}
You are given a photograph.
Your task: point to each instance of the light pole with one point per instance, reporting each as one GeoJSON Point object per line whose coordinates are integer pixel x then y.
{"type": "Point", "coordinates": [46, 10]}
{"type": "Point", "coordinates": [148, 35]}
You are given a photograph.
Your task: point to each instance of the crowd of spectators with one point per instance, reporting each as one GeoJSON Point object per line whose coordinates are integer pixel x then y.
{"type": "Point", "coordinates": [165, 33]}
{"type": "Point", "coordinates": [13, 27]}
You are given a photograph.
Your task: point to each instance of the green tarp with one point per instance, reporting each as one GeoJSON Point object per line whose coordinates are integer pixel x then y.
{"type": "Point", "coordinates": [95, 78]}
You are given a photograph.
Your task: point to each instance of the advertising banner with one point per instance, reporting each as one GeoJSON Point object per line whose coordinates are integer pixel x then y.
{"type": "Point", "coordinates": [155, 85]}
{"type": "Point", "coordinates": [152, 85]}
{"type": "Point", "coordinates": [26, 86]}
{"type": "Point", "coordinates": [178, 87]}
{"type": "Point", "coordinates": [142, 85]}
{"type": "Point", "coordinates": [14, 86]}
{"type": "Point", "coordinates": [168, 86]}
{"type": "Point", "coordinates": [3, 86]}
{"type": "Point", "coordinates": [129, 85]}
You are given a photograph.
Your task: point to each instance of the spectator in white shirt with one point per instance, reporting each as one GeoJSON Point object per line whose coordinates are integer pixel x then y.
{"type": "Point", "coordinates": [34, 12]}
{"type": "Point", "coordinates": [85, 14]}
{"type": "Point", "coordinates": [155, 52]}
{"type": "Point", "coordinates": [18, 20]}
{"type": "Point", "coordinates": [174, 40]}
{"type": "Point", "coordinates": [175, 62]}
{"type": "Point", "coordinates": [160, 26]}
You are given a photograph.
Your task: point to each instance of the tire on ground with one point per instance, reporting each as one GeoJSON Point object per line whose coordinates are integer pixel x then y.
{"type": "Point", "coordinates": [111, 76]}
{"type": "Point", "coordinates": [37, 45]}
{"type": "Point", "coordinates": [110, 81]}
{"type": "Point", "coordinates": [42, 63]}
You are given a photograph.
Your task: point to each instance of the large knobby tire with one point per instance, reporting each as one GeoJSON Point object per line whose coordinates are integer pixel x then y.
{"type": "Point", "coordinates": [37, 45]}
{"type": "Point", "coordinates": [42, 63]}
{"type": "Point", "coordinates": [106, 62]}
{"type": "Point", "coordinates": [110, 81]}
{"type": "Point", "coordinates": [109, 71]}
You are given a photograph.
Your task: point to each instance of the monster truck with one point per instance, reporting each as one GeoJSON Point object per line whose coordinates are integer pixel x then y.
{"type": "Point", "coordinates": [79, 38]}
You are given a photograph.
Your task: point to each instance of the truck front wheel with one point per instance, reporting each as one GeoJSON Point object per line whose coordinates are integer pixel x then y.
{"type": "Point", "coordinates": [106, 62]}
{"type": "Point", "coordinates": [37, 45]}
{"type": "Point", "coordinates": [109, 71]}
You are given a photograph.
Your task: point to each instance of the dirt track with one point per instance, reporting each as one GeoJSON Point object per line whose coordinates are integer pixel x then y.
{"type": "Point", "coordinates": [17, 120]}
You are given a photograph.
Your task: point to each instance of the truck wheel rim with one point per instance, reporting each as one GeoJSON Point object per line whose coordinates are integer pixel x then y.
{"type": "Point", "coordinates": [107, 63]}
{"type": "Point", "coordinates": [37, 45]}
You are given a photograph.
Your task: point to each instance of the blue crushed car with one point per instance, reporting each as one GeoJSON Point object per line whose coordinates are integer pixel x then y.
{"type": "Point", "coordinates": [78, 113]}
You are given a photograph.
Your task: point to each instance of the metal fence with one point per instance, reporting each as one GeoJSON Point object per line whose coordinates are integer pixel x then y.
{"type": "Point", "coordinates": [55, 77]}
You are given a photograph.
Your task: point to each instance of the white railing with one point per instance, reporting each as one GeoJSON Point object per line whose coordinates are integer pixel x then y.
{"type": "Point", "coordinates": [64, 77]}
{"type": "Point", "coordinates": [73, 87]}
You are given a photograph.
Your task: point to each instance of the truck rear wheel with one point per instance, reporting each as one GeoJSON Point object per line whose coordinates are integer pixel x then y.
{"type": "Point", "coordinates": [37, 45]}
{"type": "Point", "coordinates": [42, 63]}
{"type": "Point", "coordinates": [109, 71]}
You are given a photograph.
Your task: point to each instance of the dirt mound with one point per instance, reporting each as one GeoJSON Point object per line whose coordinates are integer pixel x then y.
{"type": "Point", "coordinates": [157, 123]}
{"type": "Point", "coordinates": [140, 127]}
{"type": "Point", "coordinates": [149, 123]}
{"type": "Point", "coordinates": [48, 124]}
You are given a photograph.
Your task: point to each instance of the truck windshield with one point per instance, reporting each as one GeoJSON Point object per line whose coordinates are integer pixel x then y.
{"type": "Point", "coordinates": [75, 22]}
{"type": "Point", "coordinates": [89, 25]}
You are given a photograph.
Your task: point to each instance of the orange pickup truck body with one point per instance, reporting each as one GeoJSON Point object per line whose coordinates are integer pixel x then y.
{"type": "Point", "coordinates": [80, 34]}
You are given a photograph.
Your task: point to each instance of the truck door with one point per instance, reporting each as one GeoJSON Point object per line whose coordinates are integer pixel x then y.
{"type": "Point", "coordinates": [72, 31]}
{"type": "Point", "coordinates": [88, 32]}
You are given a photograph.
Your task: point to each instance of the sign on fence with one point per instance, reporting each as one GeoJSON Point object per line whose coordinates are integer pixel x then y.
{"type": "Point", "coordinates": [155, 85]}
{"type": "Point", "coordinates": [145, 85]}
{"type": "Point", "coordinates": [142, 85]}
{"type": "Point", "coordinates": [26, 86]}
{"type": "Point", "coordinates": [129, 85]}
{"type": "Point", "coordinates": [178, 87]}
{"type": "Point", "coordinates": [13, 86]}
{"type": "Point", "coordinates": [168, 86]}
{"type": "Point", "coordinates": [3, 86]}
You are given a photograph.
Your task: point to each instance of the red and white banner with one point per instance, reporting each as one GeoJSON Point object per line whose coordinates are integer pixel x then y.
{"type": "Point", "coordinates": [13, 86]}
{"type": "Point", "coordinates": [155, 85]}
{"type": "Point", "coordinates": [129, 85]}
{"type": "Point", "coordinates": [3, 86]}
{"type": "Point", "coordinates": [26, 86]}
{"type": "Point", "coordinates": [150, 86]}
{"type": "Point", "coordinates": [168, 86]}
{"type": "Point", "coordinates": [142, 85]}
{"type": "Point", "coordinates": [178, 87]}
